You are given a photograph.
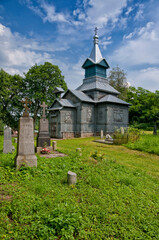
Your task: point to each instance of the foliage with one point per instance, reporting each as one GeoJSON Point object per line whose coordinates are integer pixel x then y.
{"type": "Point", "coordinates": [97, 155]}
{"type": "Point", "coordinates": [38, 85]}
{"type": "Point", "coordinates": [142, 126]}
{"type": "Point", "coordinates": [10, 98]}
{"type": "Point", "coordinates": [117, 198]}
{"type": "Point", "coordinates": [117, 79]}
{"type": "Point", "coordinates": [146, 143]}
{"type": "Point", "coordinates": [1, 127]}
{"type": "Point", "coordinates": [40, 82]}
{"type": "Point", "coordinates": [145, 106]}
{"type": "Point", "coordinates": [128, 135]}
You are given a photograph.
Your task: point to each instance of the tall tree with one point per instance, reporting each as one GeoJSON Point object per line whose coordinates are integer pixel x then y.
{"type": "Point", "coordinates": [40, 82]}
{"type": "Point", "coordinates": [145, 105]}
{"type": "Point", "coordinates": [117, 79]}
{"type": "Point", "coordinates": [10, 98]}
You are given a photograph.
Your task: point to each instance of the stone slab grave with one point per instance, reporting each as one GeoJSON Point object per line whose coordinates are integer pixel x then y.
{"type": "Point", "coordinates": [107, 140]}
{"type": "Point", "coordinates": [7, 142]}
{"type": "Point", "coordinates": [43, 139]}
{"type": "Point", "coordinates": [25, 146]}
{"type": "Point", "coordinates": [53, 155]}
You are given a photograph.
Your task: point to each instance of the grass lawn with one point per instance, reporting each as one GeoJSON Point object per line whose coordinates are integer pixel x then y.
{"type": "Point", "coordinates": [147, 143]}
{"type": "Point", "coordinates": [116, 196]}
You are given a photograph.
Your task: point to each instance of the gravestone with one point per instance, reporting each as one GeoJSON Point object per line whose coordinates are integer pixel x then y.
{"type": "Point", "coordinates": [71, 178]}
{"type": "Point", "coordinates": [122, 130]}
{"type": "Point", "coordinates": [7, 142]}
{"type": "Point", "coordinates": [101, 134]}
{"type": "Point", "coordinates": [155, 130]}
{"type": "Point", "coordinates": [54, 145]}
{"type": "Point", "coordinates": [25, 147]}
{"type": "Point", "coordinates": [78, 151]}
{"type": "Point", "coordinates": [44, 136]}
{"type": "Point", "coordinates": [108, 139]}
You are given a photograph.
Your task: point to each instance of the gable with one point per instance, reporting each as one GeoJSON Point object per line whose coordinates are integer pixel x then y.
{"type": "Point", "coordinates": [87, 63]}
{"type": "Point", "coordinates": [103, 63]}
{"type": "Point", "coordinates": [56, 104]}
{"type": "Point", "coordinates": [68, 95]}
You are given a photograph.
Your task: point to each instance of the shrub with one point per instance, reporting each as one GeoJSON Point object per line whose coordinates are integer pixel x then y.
{"type": "Point", "coordinates": [128, 135]}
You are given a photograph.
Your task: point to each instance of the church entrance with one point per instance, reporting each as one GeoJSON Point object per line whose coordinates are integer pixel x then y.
{"type": "Point", "coordinates": [53, 127]}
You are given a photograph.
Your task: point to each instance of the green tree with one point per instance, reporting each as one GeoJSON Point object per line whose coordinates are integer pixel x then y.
{"type": "Point", "coordinates": [39, 84]}
{"type": "Point", "coordinates": [10, 98]}
{"type": "Point", "coordinates": [117, 79]}
{"type": "Point", "coordinates": [145, 106]}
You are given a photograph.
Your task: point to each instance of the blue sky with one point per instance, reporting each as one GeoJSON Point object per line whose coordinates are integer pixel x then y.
{"type": "Point", "coordinates": [61, 32]}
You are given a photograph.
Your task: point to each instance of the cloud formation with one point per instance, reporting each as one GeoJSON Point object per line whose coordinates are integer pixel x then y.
{"type": "Point", "coordinates": [139, 47]}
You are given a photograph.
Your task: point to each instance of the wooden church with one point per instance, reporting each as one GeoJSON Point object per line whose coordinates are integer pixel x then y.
{"type": "Point", "coordinates": [92, 107]}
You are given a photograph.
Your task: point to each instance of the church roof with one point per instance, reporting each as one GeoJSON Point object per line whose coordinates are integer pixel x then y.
{"type": "Point", "coordinates": [58, 90]}
{"type": "Point", "coordinates": [80, 95]}
{"type": "Point", "coordinates": [63, 103]}
{"type": "Point", "coordinates": [112, 99]}
{"type": "Point", "coordinates": [97, 85]}
{"type": "Point", "coordinates": [96, 55]}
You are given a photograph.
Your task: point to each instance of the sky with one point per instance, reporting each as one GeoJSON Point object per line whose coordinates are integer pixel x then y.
{"type": "Point", "coordinates": [61, 32]}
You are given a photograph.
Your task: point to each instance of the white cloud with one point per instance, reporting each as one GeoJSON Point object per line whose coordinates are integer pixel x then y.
{"type": "Point", "coordinates": [139, 13]}
{"type": "Point", "coordinates": [147, 78]}
{"type": "Point", "coordinates": [99, 11]}
{"type": "Point", "coordinates": [17, 53]}
{"type": "Point", "coordinates": [46, 11]}
{"type": "Point", "coordinates": [105, 44]}
{"type": "Point", "coordinates": [142, 49]}
{"type": "Point", "coordinates": [51, 14]}
{"type": "Point", "coordinates": [130, 9]}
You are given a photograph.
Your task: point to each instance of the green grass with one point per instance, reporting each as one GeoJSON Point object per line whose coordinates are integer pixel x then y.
{"type": "Point", "coordinates": [116, 196]}
{"type": "Point", "coordinates": [147, 143]}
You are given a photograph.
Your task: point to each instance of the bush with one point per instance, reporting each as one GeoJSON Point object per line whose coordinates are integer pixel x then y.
{"type": "Point", "coordinates": [125, 135]}
{"type": "Point", "coordinates": [143, 126]}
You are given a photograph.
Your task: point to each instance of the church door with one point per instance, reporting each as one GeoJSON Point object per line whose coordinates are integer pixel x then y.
{"type": "Point", "coordinates": [53, 127]}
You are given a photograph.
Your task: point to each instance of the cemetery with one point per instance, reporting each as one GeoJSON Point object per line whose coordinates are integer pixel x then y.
{"type": "Point", "coordinates": [79, 189]}
{"type": "Point", "coordinates": [87, 174]}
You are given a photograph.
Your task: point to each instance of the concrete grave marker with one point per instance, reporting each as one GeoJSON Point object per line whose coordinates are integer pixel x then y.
{"type": "Point", "coordinates": [71, 178]}
{"type": "Point", "coordinates": [7, 142]}
{"type": "Point", "coordinates": [122, 130]}
{"type": "Point", "coordinates": [54, 145]}
{"type": "Point", "coordinates": [25, 147]}
{"type": "Point", "coordinates": [101, 134]}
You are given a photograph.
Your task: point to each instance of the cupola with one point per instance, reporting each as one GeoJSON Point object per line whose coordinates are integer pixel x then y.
{"type": "Point", "coordinates": [95, 65]}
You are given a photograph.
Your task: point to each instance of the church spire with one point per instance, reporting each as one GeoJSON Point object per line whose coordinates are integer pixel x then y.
{"type": "Point", "coordinates": [96, 55]}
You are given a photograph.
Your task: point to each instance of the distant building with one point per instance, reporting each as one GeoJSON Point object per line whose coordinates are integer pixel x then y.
{"type": "Point", "coordinates": [92, 107]}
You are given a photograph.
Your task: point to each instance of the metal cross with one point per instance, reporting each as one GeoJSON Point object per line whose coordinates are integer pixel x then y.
{"type": "Point", "coordinates": [25, 103]}
{"type": "Point", "coordinates": [43, 106]}
{"type": "Point", "coordinates": [96, 29]}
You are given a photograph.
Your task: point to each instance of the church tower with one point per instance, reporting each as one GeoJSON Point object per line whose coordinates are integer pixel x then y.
{"type": "Point", "coordinates": [95, 83]}
{"type": "Point", "coordinates": [95, 65]}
